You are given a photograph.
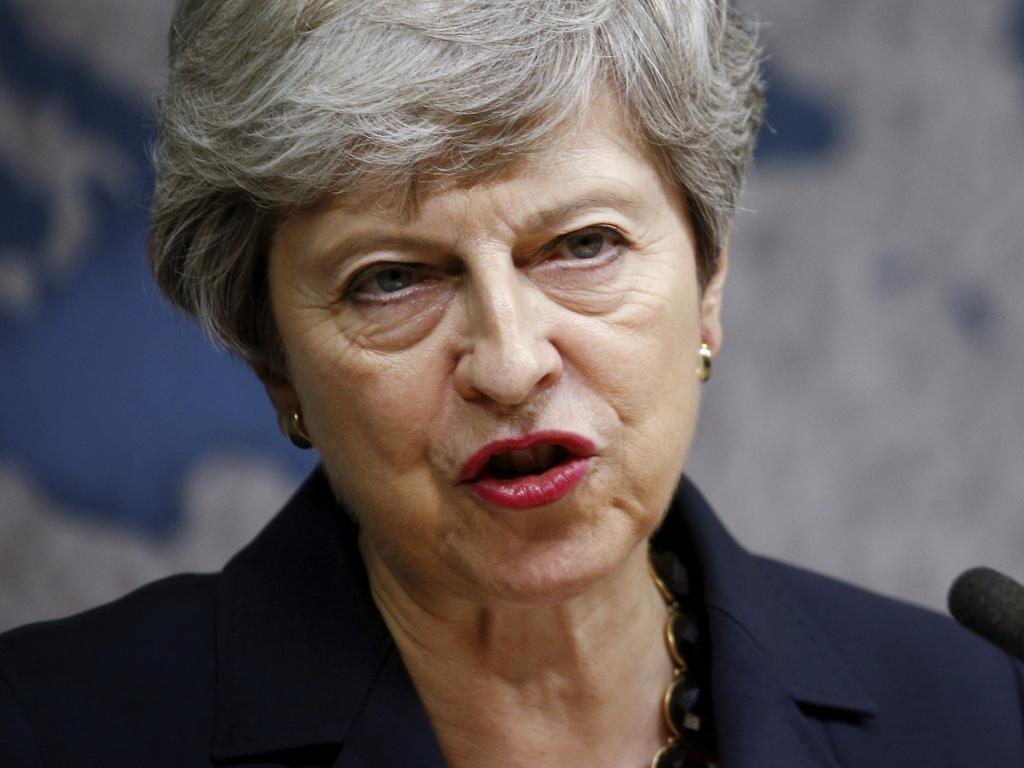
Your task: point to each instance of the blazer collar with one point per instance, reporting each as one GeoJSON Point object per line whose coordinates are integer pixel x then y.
{"type": "Point", "coordinates": [306, 661]}
{"type": "Point", "coordinates": [772, 667]}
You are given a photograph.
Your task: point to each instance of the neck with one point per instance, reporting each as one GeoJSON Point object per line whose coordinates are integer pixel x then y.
{"type": "Point", "coordinates": [570, 683]}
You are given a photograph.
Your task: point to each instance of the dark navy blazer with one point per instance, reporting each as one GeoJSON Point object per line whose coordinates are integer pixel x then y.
{"type": "Point", "coordinates": [283, 660]}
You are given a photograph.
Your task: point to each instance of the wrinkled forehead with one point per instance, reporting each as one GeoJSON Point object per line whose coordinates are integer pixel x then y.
{"type": "Point", "coordinates": [590, 169]}
{"type": "Point", "coordinates": [571, 144]}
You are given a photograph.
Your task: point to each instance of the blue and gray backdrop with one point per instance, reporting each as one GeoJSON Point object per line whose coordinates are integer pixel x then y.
{"type": "Point", "coordinates": [866, 418]}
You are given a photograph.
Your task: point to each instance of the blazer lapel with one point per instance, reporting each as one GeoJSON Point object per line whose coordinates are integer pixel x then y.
{"type": "Point", "coordinates": [392, 728]}
{"type": "Point", "coordinates": [773, 672]}
{"type": "Point", "coordinates": [759, 725]}
{"type": "Point", "coordinates": [305, 663]}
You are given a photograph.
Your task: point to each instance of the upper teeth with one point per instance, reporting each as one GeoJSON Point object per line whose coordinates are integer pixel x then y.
{"type": "Point", "coordinates": [525, 460]}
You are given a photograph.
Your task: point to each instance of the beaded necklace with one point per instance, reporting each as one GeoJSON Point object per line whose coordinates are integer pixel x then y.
{"type": "Point", "coordinates": [686, 706]}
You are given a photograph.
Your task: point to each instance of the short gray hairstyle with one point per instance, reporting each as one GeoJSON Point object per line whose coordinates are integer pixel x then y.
{"type": "Point", "coordinates": [272, 104]}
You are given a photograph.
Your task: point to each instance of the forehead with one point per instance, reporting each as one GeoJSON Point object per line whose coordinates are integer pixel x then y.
{"type": "Point", "coordinates": [593, 170]}
{"type": "Point", "coordinates": [595, 145]}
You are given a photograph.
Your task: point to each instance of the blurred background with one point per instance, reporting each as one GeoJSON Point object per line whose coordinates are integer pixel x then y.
{"type": "Point", "coordinates": [866, 417]}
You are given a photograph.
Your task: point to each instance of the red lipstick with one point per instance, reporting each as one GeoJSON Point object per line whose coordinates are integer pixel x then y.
{"type": "Point", "coordinates": [529, 489]}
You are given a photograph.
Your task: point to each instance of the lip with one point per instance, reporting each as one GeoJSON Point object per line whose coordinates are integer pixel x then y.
{"type": "Point", "coordinates": [529, 490]}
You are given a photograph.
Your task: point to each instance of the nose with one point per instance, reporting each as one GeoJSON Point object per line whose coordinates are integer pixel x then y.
{"type": "Point", "coordinates": [507, 355]}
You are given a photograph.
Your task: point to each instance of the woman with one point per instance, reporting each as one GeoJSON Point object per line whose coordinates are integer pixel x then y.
{"type": "Point", "coordinates": [476, 254]}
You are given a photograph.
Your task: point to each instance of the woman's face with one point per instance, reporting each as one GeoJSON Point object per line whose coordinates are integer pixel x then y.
{"type": "Point", "coordinates": [554, 309]}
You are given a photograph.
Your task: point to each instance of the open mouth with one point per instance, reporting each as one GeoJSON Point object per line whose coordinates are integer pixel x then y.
{"type": "Point", "coordinates": [528, 461]}
{"type": "Point", "coordinates": [530, 456]}
{"type": "Point", "coordinates": [530, 471]}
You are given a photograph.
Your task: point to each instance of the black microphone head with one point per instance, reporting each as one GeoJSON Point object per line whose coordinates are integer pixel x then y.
{"type": "Point", "coordinates": [991, 605]}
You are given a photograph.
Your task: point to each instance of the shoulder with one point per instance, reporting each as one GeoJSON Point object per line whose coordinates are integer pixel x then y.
{"type": "Point", "coordinates": [111, 673]}
{"type": "Point", "coordinates": [916, 664]}
{"type": "Point", "coordinates": [152, 628]}
{"type": "Point", "coordinates": [859, 620]}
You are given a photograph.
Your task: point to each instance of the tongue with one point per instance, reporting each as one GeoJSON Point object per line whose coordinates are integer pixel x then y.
{"type": "Point", "coordinates": [523, 462]}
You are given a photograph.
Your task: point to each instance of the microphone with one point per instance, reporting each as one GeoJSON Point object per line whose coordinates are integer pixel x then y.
{"type": "Point", "coordinates": [990, 605]}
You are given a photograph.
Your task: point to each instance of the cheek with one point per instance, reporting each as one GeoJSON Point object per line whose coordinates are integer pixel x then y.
{"type": "Point", "coordinates": [643, 363]}
{"type": "Point", "coordinates": [374, 447]}
{"type": "Point", "coordinates": [393, 328]}
{"type": "Point", "coordinates": [370, 412]}
{"type": "Point", "coordinates": [645, 352]}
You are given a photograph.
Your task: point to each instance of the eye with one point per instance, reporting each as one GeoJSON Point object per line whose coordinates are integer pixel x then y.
{"type": "Point", "coordinates": [383, 280]}
{"type": "Point", "coordinates": [593, 243]}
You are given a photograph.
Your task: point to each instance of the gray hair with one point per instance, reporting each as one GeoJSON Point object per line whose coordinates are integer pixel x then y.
{"type": "Point", "coordinates": [272, 104]}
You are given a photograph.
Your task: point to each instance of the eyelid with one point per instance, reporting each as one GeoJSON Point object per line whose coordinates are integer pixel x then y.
{"type": "Point", "coordinates": [618, 240]}
{"type": "Point", "coordinates": [609, 230]}
{"type": "Point", "coordinates": [348, 290]}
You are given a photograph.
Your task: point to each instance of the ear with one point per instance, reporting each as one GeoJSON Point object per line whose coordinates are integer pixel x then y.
{"type": "Point", "coordinates": [711, 304]}
{"type": "Point", "coordinates": [282, 394]}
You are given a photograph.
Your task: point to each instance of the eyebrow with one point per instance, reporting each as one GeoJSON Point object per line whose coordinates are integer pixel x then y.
{"type": "Point", "coordinates": [549, 218]}
{"type": "Point", "coordinates": [552, 217]}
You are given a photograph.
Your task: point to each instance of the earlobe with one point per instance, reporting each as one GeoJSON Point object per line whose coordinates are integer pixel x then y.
{"type": "Point", "coordinates": [283, 398]}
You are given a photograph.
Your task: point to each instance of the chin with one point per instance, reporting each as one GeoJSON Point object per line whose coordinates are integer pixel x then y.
{"type": "Point", "coordinates": [550, 571]}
